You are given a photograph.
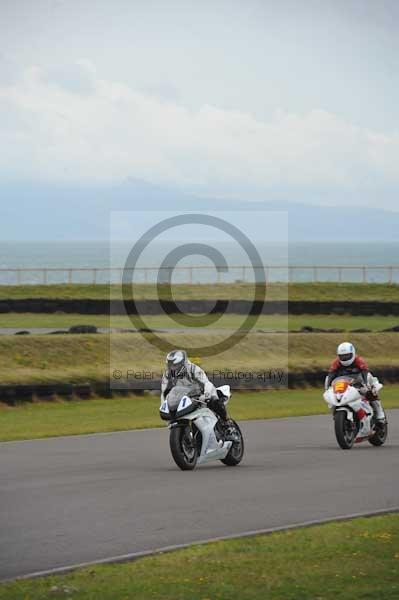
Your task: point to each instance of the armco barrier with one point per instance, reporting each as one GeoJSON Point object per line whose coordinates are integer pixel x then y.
{"type": "Point", "coordinates": [153, 307]}
{"type": "Point", "coordinates": [14, 394]}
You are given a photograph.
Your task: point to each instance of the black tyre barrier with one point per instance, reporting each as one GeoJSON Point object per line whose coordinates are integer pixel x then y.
{"type": "Point", "coordinates": [58, 332]}
{"type": "Point", "coordinates": [14, 394]}
{"type": "Point", "coordinates": [153, 307]}
{"type": "Point", "coordinates": [310, 329]}
{"type": "Point", "coordinates": [83, 329]}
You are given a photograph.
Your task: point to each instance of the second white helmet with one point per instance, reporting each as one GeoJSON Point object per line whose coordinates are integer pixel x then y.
{"type": "Point", "coordinates": [346, 353]}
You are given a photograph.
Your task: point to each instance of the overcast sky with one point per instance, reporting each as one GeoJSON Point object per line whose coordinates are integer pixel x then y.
{"type": "Point", "coordinates": [212, 96]}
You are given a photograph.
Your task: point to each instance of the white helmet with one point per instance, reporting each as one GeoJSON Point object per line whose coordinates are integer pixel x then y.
{"type": "Point", "coordinates": [176, 362]}
{"type": "Point", "coordinates": [346, 353]}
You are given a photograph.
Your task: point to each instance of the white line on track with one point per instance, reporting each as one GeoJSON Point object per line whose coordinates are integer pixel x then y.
{"type": "Point", "coordinates": [74, 435]}
{"type": "Point", "coordinates": [136, 555]}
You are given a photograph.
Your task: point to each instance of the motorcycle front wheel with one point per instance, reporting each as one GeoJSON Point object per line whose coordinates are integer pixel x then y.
{"type": "Point", "coordinates": [236, 452]}
{"type": "Point", "coordinates": [345, 432]}
{"type": "Point", "coordinates": [183, 447]}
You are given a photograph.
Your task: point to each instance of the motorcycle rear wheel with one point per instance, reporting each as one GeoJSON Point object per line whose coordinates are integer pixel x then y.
{"type": "Point", "coordinates": [236, 452]}
{"type": "Point", "coordinates": [344, 431]}
{"type": "Point", "coordinates": [183, 448]}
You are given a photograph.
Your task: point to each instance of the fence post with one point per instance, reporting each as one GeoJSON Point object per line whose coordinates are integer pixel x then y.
{"type": "Point", "coordinates": [44, 276]}
{"type": "Point", "coordinates": [94, 276]}
{"type": "Point", "coordinates": [364, 275]}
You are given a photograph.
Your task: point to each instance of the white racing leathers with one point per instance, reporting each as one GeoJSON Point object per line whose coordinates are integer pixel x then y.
{"type": "Point", "coordinates": [192, 374]}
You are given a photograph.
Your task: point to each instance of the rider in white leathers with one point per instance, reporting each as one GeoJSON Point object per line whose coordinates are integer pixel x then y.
{"type": "Point", "coordinates": [179, 370]}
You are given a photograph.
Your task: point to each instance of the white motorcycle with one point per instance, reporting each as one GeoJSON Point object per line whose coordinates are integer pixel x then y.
{"type": "Point", "coordinates": [196, 433]}
{"type": "Point", "coordinates": [344, 399]}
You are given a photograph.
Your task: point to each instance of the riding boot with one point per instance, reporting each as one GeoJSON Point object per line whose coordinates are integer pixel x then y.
{"type": "Point", "coordinates": [376, 405]}
{"type": "Point", "coordinates": [378, 410]}
{"type": "Point", "coordinates": [218, 406]}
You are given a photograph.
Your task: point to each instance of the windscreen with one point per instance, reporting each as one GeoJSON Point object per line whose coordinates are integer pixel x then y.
{"type": "Point", "coordinates": [343, 378]}
{"type": "Point", "coordinates": [177, 393]}
{"type": "Point", "coordinates": [356, 380]}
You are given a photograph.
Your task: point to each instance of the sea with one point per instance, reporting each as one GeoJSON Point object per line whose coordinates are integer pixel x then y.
{"type": "Point", "coordinates": [84, 262]}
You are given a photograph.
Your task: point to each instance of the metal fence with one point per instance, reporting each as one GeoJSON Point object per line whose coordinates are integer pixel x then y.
{"type": "Point", "coordinates": [192, 274]}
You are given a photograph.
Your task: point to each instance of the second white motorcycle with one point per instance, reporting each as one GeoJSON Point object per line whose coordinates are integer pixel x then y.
{"type": "Point", "coordinates": [344, 398]}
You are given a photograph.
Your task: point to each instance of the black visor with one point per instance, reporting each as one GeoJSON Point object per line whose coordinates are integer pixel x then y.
{"type": "Point", "coordinates": [173, 366]}
{"type": "Point", "coordinates": [345, 357]}
{"type": "Point", "coordinates": [175, 369]}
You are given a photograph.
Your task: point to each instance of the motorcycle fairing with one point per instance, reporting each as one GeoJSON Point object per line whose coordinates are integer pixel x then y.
{"type": "Point", "coordinates": [211, 449]}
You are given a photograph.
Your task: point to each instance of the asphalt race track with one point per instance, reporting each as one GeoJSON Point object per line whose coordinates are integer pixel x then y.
{"type": "Point", "coordinates": [78, 499]}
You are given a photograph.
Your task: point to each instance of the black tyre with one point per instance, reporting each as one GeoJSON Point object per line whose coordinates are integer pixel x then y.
{"type": "Point", "coordinates": [381, 434]}
{"type": "Point", "coordinates": [236, 452]}
{"type": "Point", "coordinates": [345, 432]}
{"type": "Point", "coordinates": [183, 448]}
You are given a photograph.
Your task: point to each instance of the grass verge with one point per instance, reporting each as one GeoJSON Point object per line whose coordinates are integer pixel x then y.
{"type": "Point", "coordinates": [63, 417]}
{"type": "Point", "coordinates": [90, 358]}
{"type": "Point", "coordinates": [227, 321]}
{"type": "Point", "coordinates": [240, 291]}
{"type": "Point", "coordinates": [350, 560]}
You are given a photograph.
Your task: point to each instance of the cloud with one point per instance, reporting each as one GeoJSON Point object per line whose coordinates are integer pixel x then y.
{"type": "Point", "coordinates": [67, 123]}
{"type": "Point", "coordinates": [78, 78]}
{"type": "Point", "coordinates": [9, 69]}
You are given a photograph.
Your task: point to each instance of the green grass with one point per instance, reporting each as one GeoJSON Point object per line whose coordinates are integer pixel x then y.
{"type": "Point", "coordinates": [353, 560]}
{"type": "Point", "coordinates": [63, 417]}
{"type": "Point", "coordinates": [276, 291]}
{"type": "Point", "coordinates": [227, 321]}
{"type": "Point", "coordinates": [89, 358]}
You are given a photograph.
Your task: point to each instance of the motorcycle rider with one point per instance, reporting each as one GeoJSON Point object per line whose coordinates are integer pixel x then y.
{"type": "Point", "coordinates": [179, 370]}
{"type": "Point", "coordinates": [349, 364]}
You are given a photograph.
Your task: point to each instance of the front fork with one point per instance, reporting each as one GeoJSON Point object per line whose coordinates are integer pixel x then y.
{"type": "Point", "coordinates": [183, 424]}
{"type": "Point", "coordinates": [350, 416]}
